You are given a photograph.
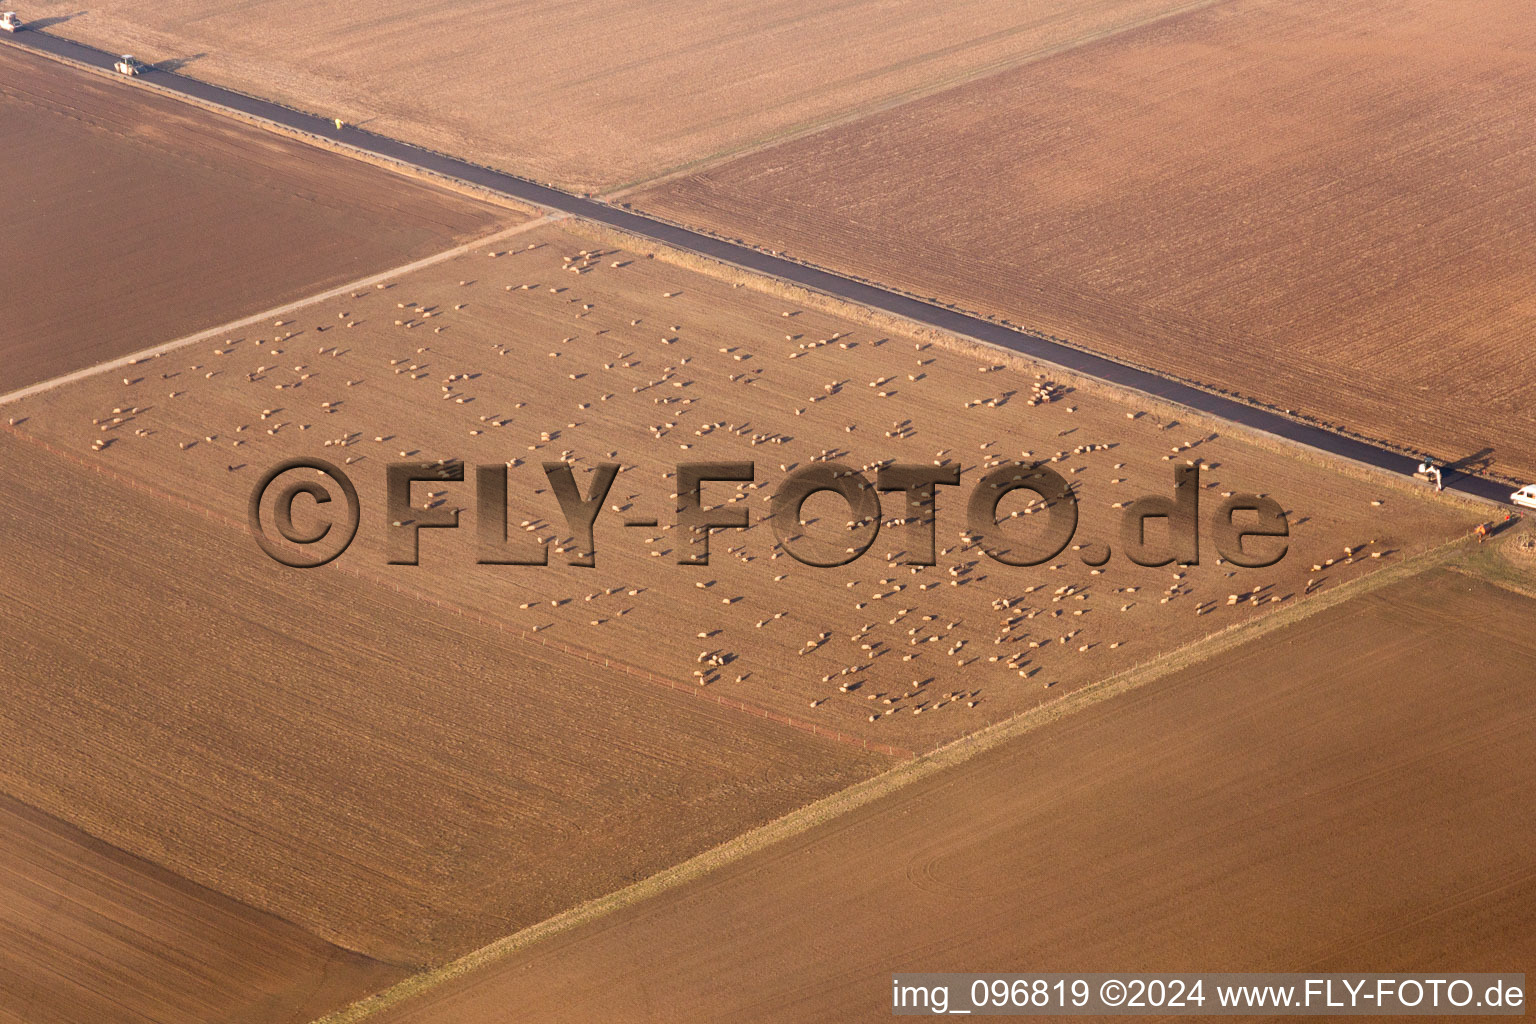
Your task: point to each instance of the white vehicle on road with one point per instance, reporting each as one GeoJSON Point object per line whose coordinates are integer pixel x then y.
{"type": "Point", "coordinates": [128, 64]}
{"type": "Point", "coordinates": [1525, 496]}
{"type": "Point", "coordinates": [9, 22]}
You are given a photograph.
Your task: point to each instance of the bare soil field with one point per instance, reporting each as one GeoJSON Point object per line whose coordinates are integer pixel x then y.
{"type": "Point", "coordinates": [88, 933]}
{"type": "Point", "coordinates": [1324, 207]}
{"type": "Point", "coordinates": [608, 93]}
{"type": "Point", "coordinates": [514, 358]}
{"type": "Point", "coordinates": [132, 218]}
{"type": "Point", "coordinates": [1346, 794]}
{"type": "Point", "coordinates": [395, 778]}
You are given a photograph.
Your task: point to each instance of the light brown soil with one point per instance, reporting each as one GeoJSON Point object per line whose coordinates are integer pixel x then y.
{"type": "Point", "coordinates": [1326, 207]}
{"type": "Point", "coordinates": [392, 777]}
{"type": "Point", "coordinates": [1353, 793]}
{"type": "Point", "coordinates": [131, 219]}
{"type": "Point", "coordinates": [88, 933]}
{"type": "Point", "coordinates": [438, 385]}
{"type": "Point", "coordinates": [597, 95]}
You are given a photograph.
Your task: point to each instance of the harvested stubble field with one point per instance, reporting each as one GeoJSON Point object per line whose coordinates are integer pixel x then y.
{"type": "Point", "coordinates": [517, 357]}
{"type": "Point", "coordinates": [608, 93]}
{"type": "Point", "coordinates": [1341, 794]}
{"type": "Point", "coordinates": [132, 218]}
{"type": "Point", "coordinates": [393, 778]}
{"type": "Point", "coordinates": [88, 933]}
{"type": "Point", "coordinates": [1326, 207]}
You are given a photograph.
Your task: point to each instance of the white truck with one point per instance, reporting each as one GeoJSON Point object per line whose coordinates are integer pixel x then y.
{"type": "Point", "coordinates": [9, 22]}
{"type": "Point", "coordinates": [128, 64]}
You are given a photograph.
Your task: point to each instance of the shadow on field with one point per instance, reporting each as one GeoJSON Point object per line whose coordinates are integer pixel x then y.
{"type": "Point", "coordinates": [1477, 462]}
{"type": "Point", "coordinates": [177, 63]}
{"type": "Point", "coordinates": [57, 19]}
{"type": "Point", "coordinates": [1510, 521]}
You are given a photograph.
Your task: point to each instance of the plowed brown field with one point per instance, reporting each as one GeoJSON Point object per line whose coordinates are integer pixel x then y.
{"type": "Point", "coordinates": [131, 218]}
{"type": "Point", "coordinates": [1340, 795]}
{"type": "Point", "coordinates": [256, 792]}
{"type": "Point", "coordinates": [88, 933]}
{"type": "Point", "coordinates": [393, 777]}
{"type": "Point", "coordinates": [602, 94]}
{"type": "Point", "coordinates": [1327, 207]}
{"type": "Point", "coordinates": [650, 365]}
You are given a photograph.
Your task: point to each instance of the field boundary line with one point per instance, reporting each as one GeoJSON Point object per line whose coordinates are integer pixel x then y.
{"type": "Point", "coordinates": [340, 148]}
{"type": "Point", "coordinates": [905, 773]}
{"type": "Point", "coordinates": [768, 270]}
{"type": "Point", "coordinates": [966, 344]}
{"type": "Point", "coordinates": [991, 69]}
{"type": "Point", "coordinates": [525, 635]}
{"type": "Point", "coordinates": [1498, 564]}
{"type": "Point", "coordinates": [788, 133]}
{"type": "Point", "coordinates": [1503, 583]}
{"type": "Point", "coordinates": [142, 355]}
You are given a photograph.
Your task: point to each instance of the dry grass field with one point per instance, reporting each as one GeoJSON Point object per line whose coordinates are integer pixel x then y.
{"type": "Point", "coordinates": [233, 790]}
{"type": "Point", "coordinates": [608, 93]}
{"type": "Point", "coordinates": [132, 219]}
{"type": "Point", "coordinates": [1338, 795]}
{"type": "Point", "coordinates": [394, 778]}
{"type": "Point", "coordinates": [1326, 207]}
{"type": "Point", "coordinates": [514, 358]}
{"type": "Point", "coordinates": [88, 933]}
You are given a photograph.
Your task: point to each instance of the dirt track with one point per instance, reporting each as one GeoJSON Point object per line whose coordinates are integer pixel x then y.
{"type": "Point", "coordinates": [473, 783]}
{"type": "Point", "coordinates": [1342, 795]}
{"type": "Point", "coordinates": [133, 218]}
{"type": "Point", "coordinates": [598, 96]}
{"type": "Point", "coordinates": [1322, 206]}
{"type": "Point", "coordinates": [88, 933]}
{"type": "Point", "coordinates": [395, 778]}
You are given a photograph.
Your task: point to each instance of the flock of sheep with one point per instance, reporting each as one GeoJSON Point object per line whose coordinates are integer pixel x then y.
{"type": "Point", "coordinates": [641, 386]}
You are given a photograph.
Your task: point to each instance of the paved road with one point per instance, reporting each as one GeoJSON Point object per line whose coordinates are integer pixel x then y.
{"type": "Point", "coordinates": [751, 259]}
